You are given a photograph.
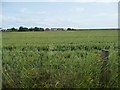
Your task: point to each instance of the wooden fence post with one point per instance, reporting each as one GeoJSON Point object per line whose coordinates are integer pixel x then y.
{"type": "Point", "coordinates": [105, 71]}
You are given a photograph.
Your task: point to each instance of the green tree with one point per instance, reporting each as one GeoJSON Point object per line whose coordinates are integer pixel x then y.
{"type": "Point", "coordinates": [12, 29]}
{"type": "Point", "coordinates": [31, 29]}
{"type": "Point", "coordinates": [36, 29]}
{"type": "Point", "coordinates": [69, 29]}
{"type": "Point", "coordinates": [23, 28]}
{"type": "Point", "coordinates": [41, 29]}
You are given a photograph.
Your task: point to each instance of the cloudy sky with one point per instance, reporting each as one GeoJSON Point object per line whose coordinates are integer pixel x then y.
{"type": "Point", "coordinates": [77, 14]}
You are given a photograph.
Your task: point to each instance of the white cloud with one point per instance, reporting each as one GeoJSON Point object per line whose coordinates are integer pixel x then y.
{"type": "Point", "coordinates": [0, 15]}
{"type": "Point", "coordinates": [59, 22]}
{"type": "Point", "coordinates": [8, 19]}
{"type": "Point", "coordinates": [29, 11]}
{"type": "Point", "coordinates": [107, 1]}
{"type": "Point", "coordinates": [107, 14]}
{"type": "Point", "coordinates": [77, 10]}
{"type": "Point", "coordinates": [115, 15]}
{"type": "Point", "coordinates": [17, 21]}
{"type": "Point", "coordinates": [41, 12]}
{"type": "Point", "coordinates": [23, 10]}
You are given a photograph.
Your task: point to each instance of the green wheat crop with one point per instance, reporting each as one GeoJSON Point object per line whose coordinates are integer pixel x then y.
{"type": "Point", "coordinates": [58, 59]}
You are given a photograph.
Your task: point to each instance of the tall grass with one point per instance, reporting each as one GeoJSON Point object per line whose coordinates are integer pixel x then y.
{"type": "Point", "coordinates": [57, 59]}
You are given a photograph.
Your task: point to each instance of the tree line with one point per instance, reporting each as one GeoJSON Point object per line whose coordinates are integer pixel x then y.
{"type": "Point", "coordinates": [23, 29]}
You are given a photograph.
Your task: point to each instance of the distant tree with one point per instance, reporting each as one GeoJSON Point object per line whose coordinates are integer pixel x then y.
{"type": "Point", "coordinates": [31, 29]}
{"type": "Point", "coordinates": [8, 30]}
{"type": "Point", "coordinates": [23, 28]}
{"type": "Point", "coordinates": [69, 29]}
{"type": "Point", "coordinates": [12, 29]}
{"type": "Point", "coordinates": [3, 30]}
{"type": "Point", "coordinates": [73, 29]}
{"type": "Point", "coordinates": [36, 29]}
{"type": "Point", "coordinates": [20, 28]}
{"type": "Point", "coordinates": [41, 29]}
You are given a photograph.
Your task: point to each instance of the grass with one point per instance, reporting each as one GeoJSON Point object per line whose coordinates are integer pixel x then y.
{"type": "Point", "coordinates": [58, 59]}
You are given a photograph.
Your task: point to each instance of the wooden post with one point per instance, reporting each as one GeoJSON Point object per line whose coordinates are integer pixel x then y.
{"type": "Point", "coordinates": [105, 71]}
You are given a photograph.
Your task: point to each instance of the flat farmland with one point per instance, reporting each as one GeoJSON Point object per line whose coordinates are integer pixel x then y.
{"type": "Point", "coordinates": [58, 59]}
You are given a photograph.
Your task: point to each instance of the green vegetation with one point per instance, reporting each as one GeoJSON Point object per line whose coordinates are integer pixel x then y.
{"type": "Point", "coordinates": [22, 29]}
{"type": "Point", "coordinates": [25, 29]}
{"type": "Point", "coordinates": [58, 59]}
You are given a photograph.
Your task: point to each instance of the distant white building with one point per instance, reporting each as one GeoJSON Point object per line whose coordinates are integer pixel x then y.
{"type": "Point", "coordinates": [53, 29]}
{"type": "Point", "coordinates": [57, 29]}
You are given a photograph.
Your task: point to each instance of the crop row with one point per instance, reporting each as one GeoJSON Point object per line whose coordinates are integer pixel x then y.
{"type": "Point", "coordinates": [60, 47]}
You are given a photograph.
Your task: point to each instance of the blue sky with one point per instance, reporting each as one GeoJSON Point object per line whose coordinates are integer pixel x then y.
{"type": "Point", "coordinates": [60, 14]}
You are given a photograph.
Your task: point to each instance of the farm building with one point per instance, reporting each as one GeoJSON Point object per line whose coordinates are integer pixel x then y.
{"type": "Point", "coordinates": [57, 29]}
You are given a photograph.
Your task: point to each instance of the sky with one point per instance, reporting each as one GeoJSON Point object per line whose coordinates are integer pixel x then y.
{"type": "Point", "coordinates": [54, 14]}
